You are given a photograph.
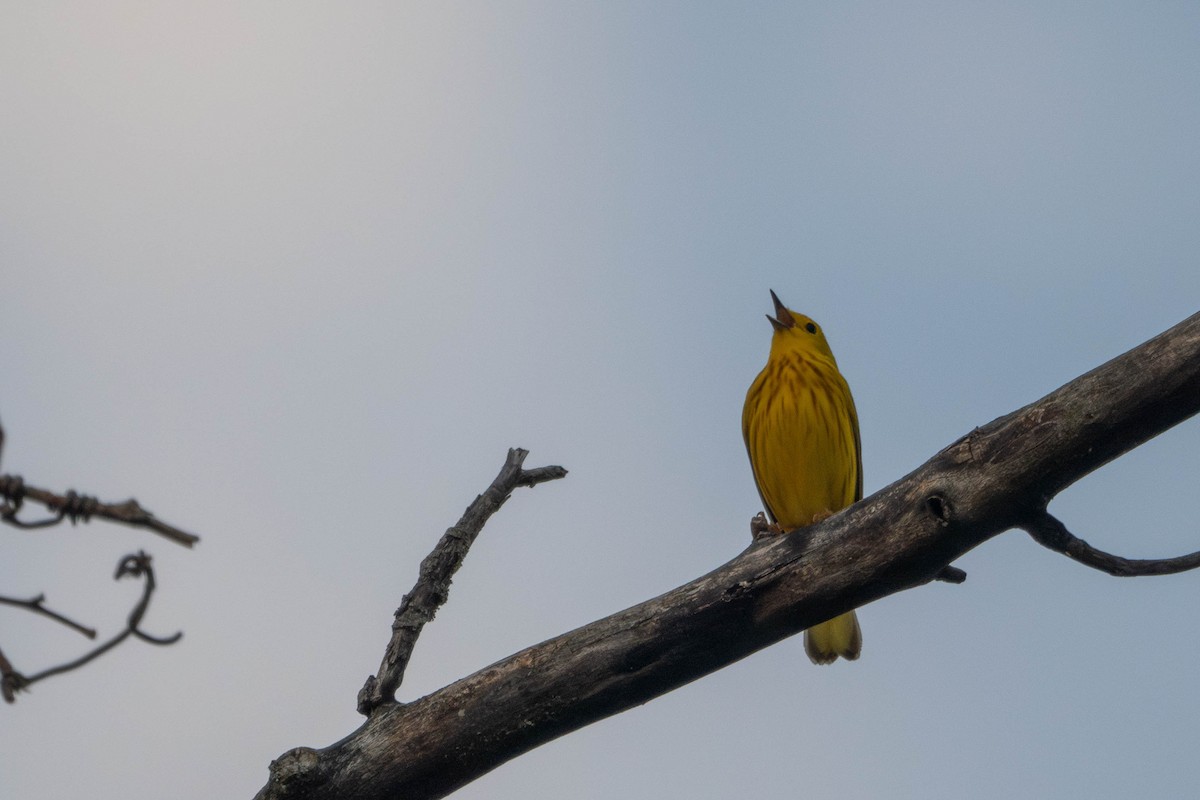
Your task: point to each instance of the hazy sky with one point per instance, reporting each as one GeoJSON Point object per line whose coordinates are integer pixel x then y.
{"type": "Point", "coordinates": [296, 275]}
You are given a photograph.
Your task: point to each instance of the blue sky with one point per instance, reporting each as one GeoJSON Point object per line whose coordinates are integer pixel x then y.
{"type": "Point", "coordinates": [297, 275]}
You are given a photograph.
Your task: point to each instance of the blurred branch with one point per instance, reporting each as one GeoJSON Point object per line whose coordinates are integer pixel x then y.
{"type": "Point", "coordinates": [11, 681]}
{"type": "Point", "coordinates": [433, 584]}
{"type": "Point", "coordinates": [75, 507]}
{"type": "Point", "coordinates": [37, 605]}
{"type": "Point", "coordinates": [137, 566]}
{"type": "Point", "coordinates": [997, 477]}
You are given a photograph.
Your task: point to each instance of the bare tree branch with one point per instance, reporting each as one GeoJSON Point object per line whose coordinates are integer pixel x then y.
{"type": "Point", "coordinates": [433, 585]}
{"type": "Point", "coordinates": [75, 507]}
{"type": "Point", "coordinates": [37, 605]}
{"type": "Point", "coordinates": [1049, 532]}
{"type": "Point", "coordinates": [997, 477]}
{"type": "Point", "coordinates": [137, 566]}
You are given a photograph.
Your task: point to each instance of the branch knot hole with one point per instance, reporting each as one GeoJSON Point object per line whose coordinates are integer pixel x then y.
{"type": "Point", "coordinates": [939, 506]}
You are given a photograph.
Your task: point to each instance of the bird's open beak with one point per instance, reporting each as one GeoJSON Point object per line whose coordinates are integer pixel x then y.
{"type": "Point", "coordinates": [783, 318]}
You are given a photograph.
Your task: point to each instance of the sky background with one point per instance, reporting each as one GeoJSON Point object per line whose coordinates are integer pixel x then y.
{"type": "Point", "coordinates": [296, 275]}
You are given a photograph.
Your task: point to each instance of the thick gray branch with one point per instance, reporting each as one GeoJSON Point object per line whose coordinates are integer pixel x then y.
{"type": "Point", "coordinates": [998, 477]}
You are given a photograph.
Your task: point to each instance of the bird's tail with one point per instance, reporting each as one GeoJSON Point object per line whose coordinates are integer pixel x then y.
{"type": "Point", "coordinates": [840, 636]}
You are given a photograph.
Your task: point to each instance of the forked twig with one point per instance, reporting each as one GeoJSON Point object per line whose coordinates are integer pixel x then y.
{"type": "Point", "coordinates": [137, 566]}
{"type": "Point", "coordinates": [433, 585]}
{"type": "Point", "coordinates": [38, 606]}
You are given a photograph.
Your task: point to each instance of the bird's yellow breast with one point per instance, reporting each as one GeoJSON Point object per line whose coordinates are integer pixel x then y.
{"type": "Point", "coordinates": [801, 432]}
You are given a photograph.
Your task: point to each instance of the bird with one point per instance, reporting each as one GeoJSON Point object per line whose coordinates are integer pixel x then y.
{"type": "Point", "coordinates": [801, 432]}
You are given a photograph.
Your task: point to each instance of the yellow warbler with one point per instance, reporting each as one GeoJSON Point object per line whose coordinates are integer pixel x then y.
{"type": "Point", "coordinates": [801, 433]}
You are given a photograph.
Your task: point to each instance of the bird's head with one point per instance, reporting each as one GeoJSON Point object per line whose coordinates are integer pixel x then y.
{"type": "Point", "coordinates": [796, 333]}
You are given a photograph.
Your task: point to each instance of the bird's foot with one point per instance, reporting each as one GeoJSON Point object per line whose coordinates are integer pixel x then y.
{"type": "Point", "coordinates": [760, 528]}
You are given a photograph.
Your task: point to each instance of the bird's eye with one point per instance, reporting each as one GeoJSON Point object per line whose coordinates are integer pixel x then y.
{"type": "Point", "coordinates": [810, 328]}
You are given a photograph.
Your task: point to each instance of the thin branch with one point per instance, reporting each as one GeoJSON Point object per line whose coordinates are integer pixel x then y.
{"type": "Point", "coordinates": [433, 584]}
{"type": "Point", "coordinates": [1049, 532]}
{"type": "Point", "coordinates": [137, 566]}
{"type": "Point", "coordinates": [37, 605]}
{"type": "Point", "coordinates": [75, 507]}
